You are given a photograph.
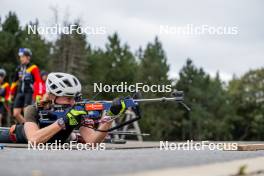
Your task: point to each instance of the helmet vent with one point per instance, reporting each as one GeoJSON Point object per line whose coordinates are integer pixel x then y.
{"type": "Point", "coordinates": [67, 83]}
{"type": "Point", "coordinates": [75, 81]}
{"type": "Point", "coordinates": [58, 92]}
{"type": "Point", "coordinates": [59, 76]}
{"type": "Point", "coordinates": [69, 94]}
{"type": "Point", "coordinates": [53, 86]}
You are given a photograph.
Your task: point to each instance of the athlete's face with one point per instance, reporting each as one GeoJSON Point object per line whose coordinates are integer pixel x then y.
{"type": "Point", "coordinates": [65, 101]}
{"type": "Point", "coordinates": [44, 77]}
{"type": "Point", "coordinates": [24, 59]}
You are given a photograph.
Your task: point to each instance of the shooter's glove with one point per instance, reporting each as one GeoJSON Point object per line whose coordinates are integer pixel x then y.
{"type": "Point", "coordinates": [118, 107]}
{"type": "Point", "coordinates": [73, 116]}
{"type": "Point", "coordinates": [38, 98]}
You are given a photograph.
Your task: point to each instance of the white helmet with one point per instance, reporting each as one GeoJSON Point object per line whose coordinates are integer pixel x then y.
{"type": "Point", "coordinates": [63, 84]}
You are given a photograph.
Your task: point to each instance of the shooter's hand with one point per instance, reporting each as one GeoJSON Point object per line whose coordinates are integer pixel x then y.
{"type": "Point", "coordinates": [73, 116]}
{"type": "Point", "coordinates": [118, 107]}
{"type": "Point", "coordinates": [38, 98]}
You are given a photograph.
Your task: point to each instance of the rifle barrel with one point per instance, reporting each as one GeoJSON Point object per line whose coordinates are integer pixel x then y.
{"type": "Point", "coordinates": [163, 99]}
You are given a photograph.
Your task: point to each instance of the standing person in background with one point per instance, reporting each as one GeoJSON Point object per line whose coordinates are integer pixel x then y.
{"type": "Point", "coordinates": [26, 75]}
{"type": "Point", "coordinates": [4, 94]}
{"type": "Point", "coordinates": [42, 88]}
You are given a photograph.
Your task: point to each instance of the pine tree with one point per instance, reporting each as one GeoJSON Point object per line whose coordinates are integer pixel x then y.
{"type": "Point", "coordinates": [210, 105]}
{"type": "Point", "coordinates": [154, 71]}
{"type": "Point", "coordinates": [70, 55]}
{"type": "Point", "coordinates": [13, 37]}
{"type": "Point", "coordinates": [10, 33]}
{"type": "Point", "coordinates": [247, 98]}
{"type": "Point", "coordinates": [38, 45]}
{"type": "Point", "coordinates": [113, 65]}
{"type": "Point", "coordinates": [153, 65]}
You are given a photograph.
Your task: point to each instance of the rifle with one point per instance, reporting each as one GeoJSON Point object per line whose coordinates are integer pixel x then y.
{"type": "Point", "coordinates": [95, 109]}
